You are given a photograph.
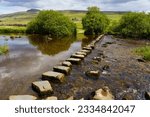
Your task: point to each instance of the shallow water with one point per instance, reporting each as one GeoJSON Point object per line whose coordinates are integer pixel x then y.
{"type": "Point", "coordinates": [29, 57]}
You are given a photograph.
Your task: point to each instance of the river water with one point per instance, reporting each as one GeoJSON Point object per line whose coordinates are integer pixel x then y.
{"type": "Point", "coordinates": [29, 57]}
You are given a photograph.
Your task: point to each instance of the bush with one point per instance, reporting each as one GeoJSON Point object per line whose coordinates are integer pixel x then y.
{"type": "Point", "coordinates": [135, 25]}
{"type": "Point", "coordinates": [53, 23]}
{"type": "Point", "coordinates": [4, 49]}
{"type": "Point", "coordinates": [94, 22]}
{"type": "Point", "coordinates": [144, 51]}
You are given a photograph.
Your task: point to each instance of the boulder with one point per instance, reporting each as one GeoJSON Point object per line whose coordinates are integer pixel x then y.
{"type": "Point", "coordinates": [74, 60]}
{"type": "Point", "coordinates": [22, 97]}
{"type": "Point", "coordinates": [52, 98]}
{"type": "Point", "coordinates": [67, 64]}
{"type": "Point", "coordinates": [147, 95]}
{"type": "Point", "coordinates": [70, 98]}
{"type": "Point", "coordinates": [81, 53]}
{"type": "Point", "coordinates": [42, 87]}
{"type": "Point", "coordinates": [77, 56]}
{"type": "Point", "coordinates": [128, 96]}
{"type": "Point", "coordinates": [93, 73]}
{"type": "Point", "coordinates": [62, 69]}
{"type": "Point", "coordinates": [103, 94]}
{"type": "Point", "coordinates": [53, 76]}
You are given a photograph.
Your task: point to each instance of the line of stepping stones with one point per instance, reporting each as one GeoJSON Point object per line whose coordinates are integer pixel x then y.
{"type": "Point", "coordinates": [44, 88]}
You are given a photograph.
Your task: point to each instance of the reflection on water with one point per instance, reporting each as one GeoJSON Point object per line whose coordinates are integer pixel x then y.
{"type": "Point", "coordinates": [29, 57]}
{"type": "Point", "coordinates": [50, 46]}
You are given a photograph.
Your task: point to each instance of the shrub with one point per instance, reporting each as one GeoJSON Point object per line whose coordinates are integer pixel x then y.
{"type": "Point", "coordinates": [136, 25]}
{"type": "Point", "coordinates": [4, 49]}
{"type": "Point", "coordinates": [53, 23]}
{"type": "Point", "coordinates": [94, 22]}
{"type": "Point", "coordinates": [144, 51]}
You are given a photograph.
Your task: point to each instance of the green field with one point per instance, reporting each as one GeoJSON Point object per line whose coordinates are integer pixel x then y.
{"type": "Point", "coordinates": [16, 22]}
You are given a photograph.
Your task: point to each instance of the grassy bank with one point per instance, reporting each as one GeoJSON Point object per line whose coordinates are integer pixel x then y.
{"type": "Point", "coordinates": [12, 29]}
{"type": "Point", "coordinates": [144, 52]}
{"type": "Point", "coordinates": [4, 49]}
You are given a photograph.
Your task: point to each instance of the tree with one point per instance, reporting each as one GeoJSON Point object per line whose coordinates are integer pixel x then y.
{"type": "Point", "coordinates": [136, 25]}
{"type": "Point", "coordinates": [52, 23]}
{"type": "Point", "coordinates": [94, 22]}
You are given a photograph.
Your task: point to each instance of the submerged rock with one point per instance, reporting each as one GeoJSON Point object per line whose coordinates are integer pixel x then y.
{"type": "Point", "coordinates": [105, 67]}
{"type": "Point", "coordinates": [103, 94]}
{"type": "Point", "coordinates": [22, 97]}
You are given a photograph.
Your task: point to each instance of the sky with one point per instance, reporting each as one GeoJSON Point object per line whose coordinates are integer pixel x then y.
{"type": "Point", "coordinates": [10, 6]}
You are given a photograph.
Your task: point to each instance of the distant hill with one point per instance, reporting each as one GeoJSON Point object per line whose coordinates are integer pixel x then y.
{"type": "Point", "coordinates": [33, 10]}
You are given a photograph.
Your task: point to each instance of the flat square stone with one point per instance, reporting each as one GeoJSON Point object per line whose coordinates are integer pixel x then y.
{"type": "Point", "coordinates": [74, 60]}
{"type": "Point", "coordinates": [67, 64]}
{"type": "Point", "coordinates": [81, 53]}
{"type": "Point", "coordinates": [53, 76]}
{"type": "Point", "coordinates": [86, 51]}
{"type": "Point", "coordinates": [22, 97]}
{"type": "Point", "coordinates": [52, 98]}
{"type": "Point", "coordinates": [77, 56]}
{"type": "Point", "coordinates": [62, 69]}
{"type": "Point", "coordinates": [42, 87]}
{"type": "Point", "coordinates": [87, 48]}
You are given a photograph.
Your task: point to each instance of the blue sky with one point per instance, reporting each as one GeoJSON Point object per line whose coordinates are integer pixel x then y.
{"type": "Point", "coordinates": [9, 6]}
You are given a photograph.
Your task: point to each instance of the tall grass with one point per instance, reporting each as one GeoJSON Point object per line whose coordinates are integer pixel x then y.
{"type": "Point", "coordinates": [144, 51]}
{"type": "Point", "coordinates": [12, 29]}
{"type": "Point", "coordinates": [4, 49]}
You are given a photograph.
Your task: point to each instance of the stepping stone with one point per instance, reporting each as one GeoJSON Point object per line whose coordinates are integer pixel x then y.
{"type": "Point", "coordinates": [86, 51]}
{"type": "Point", "coordinates": [67, 64]}
{"type": "Point", "coordinates": [62, 69]}
{"type": "Point", "coordinates": [103, 94]}
{"type": "Point", "coordinates": [81, 53]}
{"type": "Point", "coordinates": [22, 97]}
{"type": "Point", "coordinates": [91, 46]}
{"type": "Point", "coordinates": [77, 56]}
{"type": "Point", "coordinates": [53, 76]}
{"type": "Point", "coordinates": [52, 98]}
{"type": "Point", "coordinates": [93, 73]}
{"type": "Point", "coordinates": [74, 60]}
{"type": "Point", "coordinates": [87, 48]}
{"type": "Point", "coordinates": [42, 87]}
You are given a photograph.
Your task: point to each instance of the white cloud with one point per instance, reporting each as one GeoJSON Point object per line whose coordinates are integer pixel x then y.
{"type": "Point", "coordinates": [7, 6]}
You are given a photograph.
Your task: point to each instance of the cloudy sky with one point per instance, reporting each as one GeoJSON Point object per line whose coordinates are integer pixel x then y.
{"type": "Point", "coordinates": [9, 6]}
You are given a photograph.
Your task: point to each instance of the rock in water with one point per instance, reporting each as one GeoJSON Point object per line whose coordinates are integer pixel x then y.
{"type": "Point", "coordinates": [93, 73]}
{"type": "Point", "coordinates": [22, 97]}
{"type": "Point", "coordinates": [103, 94]}
{"type": "Point", "coordinates": [62, 69]}
{"type": "Point", "coordinates": [42, 87]}
{"type": "Point", "coordinates": [67, 64]}
{"type": "Point", "coordinates": [52, 98]}
{"type": "Point", "coordinates": [53, 76]}
{"type": "Point", "coordinates": [147, 95]}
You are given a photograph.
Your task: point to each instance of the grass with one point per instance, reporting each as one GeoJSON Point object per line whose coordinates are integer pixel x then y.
{"type": "Point", "coordinates": [12, 29]}
{"type": "Point", "coordinates": [4, 49]}
{"type": "Point", "coordinates": [144, 51]}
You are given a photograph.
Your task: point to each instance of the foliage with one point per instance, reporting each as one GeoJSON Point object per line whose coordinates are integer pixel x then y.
{"type": "Point", "coordinates": [135, 25]}
{"type": "Point", "coordinates": [144, 51]}
{"type": "Point", "coordinates": [12, 29]}
{"type": "Point", "coordinates": [4, 49]}
{"type": "Point", "coordinates": [94, 22]}
{"type": "Point", "coordinates": [53, 23]}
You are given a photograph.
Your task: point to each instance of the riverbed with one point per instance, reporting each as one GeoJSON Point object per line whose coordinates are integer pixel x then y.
{"type": "Point", "coordinates": [29, 57]}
